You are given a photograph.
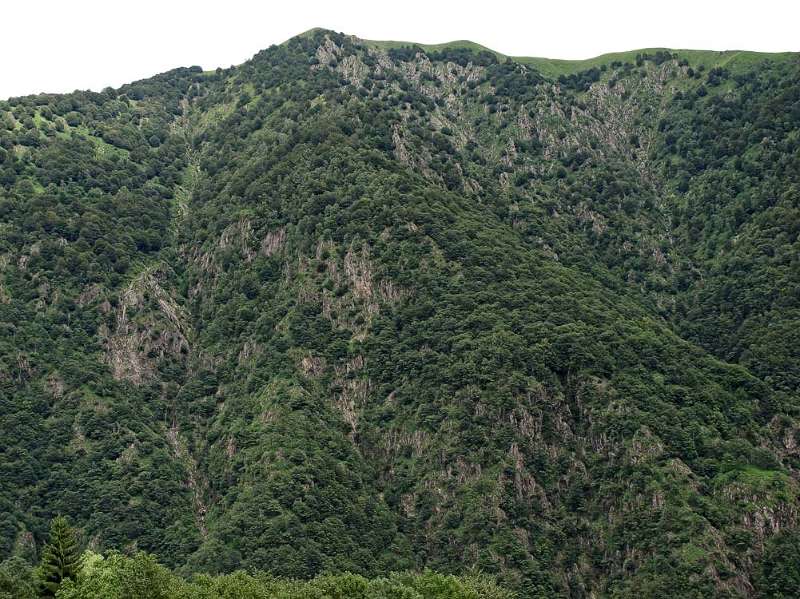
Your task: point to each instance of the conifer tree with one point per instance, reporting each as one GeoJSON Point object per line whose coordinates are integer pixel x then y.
{"type": "Point", "coordinates": [60, 557]}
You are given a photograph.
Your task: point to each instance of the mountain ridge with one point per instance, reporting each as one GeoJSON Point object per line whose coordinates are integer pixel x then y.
{"type": "Point", "coordinates": [561, 66]}
{"type": "Point", "coordinates": [553, 67]}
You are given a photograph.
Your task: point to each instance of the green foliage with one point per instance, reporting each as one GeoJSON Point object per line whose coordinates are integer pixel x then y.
{"type": "Point", "coordinates": [346, 311]}
{"type": "Point", "coordinates": [61, 559]}
{"type": "Point", "coordinates": [120, 577]}
{"type": "Point", "coordinates": [17, 579]}
{"type": "Point", "coordinates": [778, 574]}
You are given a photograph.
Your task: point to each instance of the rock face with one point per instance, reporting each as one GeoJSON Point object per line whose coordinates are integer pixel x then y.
{"type": "Point", "coordinates": [149, 327]}
{"type": "Point", "coordinates": [361, 307]}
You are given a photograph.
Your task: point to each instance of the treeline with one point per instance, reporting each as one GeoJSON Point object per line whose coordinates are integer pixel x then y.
{"type": "Point", "coordinates": [64, 573]}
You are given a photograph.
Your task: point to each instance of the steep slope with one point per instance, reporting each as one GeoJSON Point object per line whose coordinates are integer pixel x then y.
{"type": "Point", "coordinates": [88, 182]}
{"type": "Point", "coordinates": [370, 307]}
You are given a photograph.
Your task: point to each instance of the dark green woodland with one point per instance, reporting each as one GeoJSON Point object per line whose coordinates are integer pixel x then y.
{"type": "Point", "coordinates": [369, 319]}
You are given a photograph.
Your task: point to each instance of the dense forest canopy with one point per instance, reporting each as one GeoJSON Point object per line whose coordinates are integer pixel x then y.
{"type": "Point", "coordinates": [353, 308]}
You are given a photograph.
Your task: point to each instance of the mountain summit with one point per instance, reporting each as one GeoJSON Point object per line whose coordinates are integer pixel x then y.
{"type": "Point", "coordinates": [373, 306]}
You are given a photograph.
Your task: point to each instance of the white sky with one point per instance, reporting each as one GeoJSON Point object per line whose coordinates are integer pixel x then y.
{"type": "Point", "coordinates": [62, 45]}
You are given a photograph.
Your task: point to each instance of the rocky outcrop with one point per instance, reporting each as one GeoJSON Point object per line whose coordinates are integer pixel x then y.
{"type": "Point", "coordinates": [148, 326]}
{"type": "Point", "coordinates": [195, 481]}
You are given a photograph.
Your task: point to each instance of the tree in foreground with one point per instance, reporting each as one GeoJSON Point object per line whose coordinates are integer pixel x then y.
{"type": "Point", "coordinates": [118, 576]}
{"type": "Point", "coordinates": [60, 557]}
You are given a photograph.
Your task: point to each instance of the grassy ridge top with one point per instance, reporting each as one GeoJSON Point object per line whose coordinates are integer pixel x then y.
{"type": "Point", "coordinates": [553, 67]}
{"type": "Point", "coordinates": [732, 59]}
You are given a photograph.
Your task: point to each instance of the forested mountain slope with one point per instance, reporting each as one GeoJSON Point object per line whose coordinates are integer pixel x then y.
{"type": "Point", "coordinates": [369, 307]}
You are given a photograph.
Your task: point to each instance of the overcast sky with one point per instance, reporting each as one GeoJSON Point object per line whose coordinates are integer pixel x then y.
{"type": "Point", "coordinates": [62, 45]}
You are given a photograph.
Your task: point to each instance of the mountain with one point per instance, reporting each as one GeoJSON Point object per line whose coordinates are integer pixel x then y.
{"type": "Point", "coordinates": [371, 307]}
